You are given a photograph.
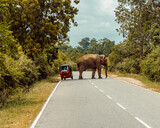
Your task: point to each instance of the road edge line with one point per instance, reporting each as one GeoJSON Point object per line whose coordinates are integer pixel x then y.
{"type": "Point", "coordinates": [44, 106]}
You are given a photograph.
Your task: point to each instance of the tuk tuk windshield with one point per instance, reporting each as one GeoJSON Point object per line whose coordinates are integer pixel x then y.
{"type": "Point", "coordinates": [64, 68]}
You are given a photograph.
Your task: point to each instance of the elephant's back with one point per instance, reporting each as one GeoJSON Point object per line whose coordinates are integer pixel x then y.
{"type": "Point", "coordinates": [87, 57]}
{"type": "Point", "coordinates": [87, 60]}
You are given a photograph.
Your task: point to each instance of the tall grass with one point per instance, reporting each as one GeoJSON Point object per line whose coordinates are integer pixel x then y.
{"type": "Point", "coordinates": [21, 109]}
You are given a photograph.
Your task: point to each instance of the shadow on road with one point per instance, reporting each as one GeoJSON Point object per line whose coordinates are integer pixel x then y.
{"type": "Point", "coordinates": [77, 79]}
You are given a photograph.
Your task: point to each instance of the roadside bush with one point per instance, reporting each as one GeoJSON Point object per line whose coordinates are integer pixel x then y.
{"type": "Point", "coordinates": [74, 66]}
{"type": "Point", "coordinates": [62, 59]}
{"type": "Point", "coordinates": [119, 52]}
{"type": "Point", "coordinates": [30, 71]}
{"type": "Point", "coordinates": [123, 58]}
{"type": "Point", "coordinates": [113, 60]}
{"type": "Point", "coordinates": [44, 68]}
{"type": "Point", "coordinates": [129, 65]}
{"type": "Point", "coordinates": [150, 67]}
{"type": "Point", "coordinates": [13, 74]}
{"type": "Point", "coordinates": [16, 75]}
{"type": "Point", "coordinates": [7, 81]}
{"type": "Point", "coordinates": [23, 71]}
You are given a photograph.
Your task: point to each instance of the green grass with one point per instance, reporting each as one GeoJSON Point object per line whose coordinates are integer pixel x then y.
{"type": "Point", "coordinates": [155, 86]}
{"type": "Point", "coordinates": [21, 109]}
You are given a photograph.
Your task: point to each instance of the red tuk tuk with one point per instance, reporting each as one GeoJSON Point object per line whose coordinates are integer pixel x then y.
{"type": "Point", "coordinates": [66, 71]}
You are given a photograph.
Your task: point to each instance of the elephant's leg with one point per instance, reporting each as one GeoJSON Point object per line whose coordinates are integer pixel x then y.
{"type": "Point", "coordinates": [81, 69]}
{"type": "Point", "coordinates": [93, 73]}
{"type": "Point", "coordinates": [99, 73]}
{"type": "Point", "coordinates": [80, 75]}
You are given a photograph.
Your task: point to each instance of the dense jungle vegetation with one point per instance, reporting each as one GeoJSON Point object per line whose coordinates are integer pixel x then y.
{"type": "Point", "coordinates": [31, 32]}
{"type": "Point", "coordinates": [140, 52]}
{"type": "Point", "coordinates": [88, 46]}
{"type": "Point", "coordinates": [33, 36]}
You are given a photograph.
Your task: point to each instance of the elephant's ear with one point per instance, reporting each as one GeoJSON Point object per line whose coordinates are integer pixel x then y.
{"type": "Point", "coordinates": [102, 58]}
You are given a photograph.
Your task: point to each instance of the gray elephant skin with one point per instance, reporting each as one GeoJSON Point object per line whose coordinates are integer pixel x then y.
{"type": "Point", "coordinates": [92, 61]}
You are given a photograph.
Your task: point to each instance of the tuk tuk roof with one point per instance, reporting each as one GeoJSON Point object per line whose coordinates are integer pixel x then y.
{"type": "Point", "coordinates": [65, 65]}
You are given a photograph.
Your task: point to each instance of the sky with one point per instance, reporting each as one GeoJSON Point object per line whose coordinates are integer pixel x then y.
{"type": "Point", "coordinates": [96, 19]}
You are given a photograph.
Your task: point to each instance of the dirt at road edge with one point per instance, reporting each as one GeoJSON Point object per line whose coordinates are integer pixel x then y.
{"type": "Point", "coordinates": [130, 80]}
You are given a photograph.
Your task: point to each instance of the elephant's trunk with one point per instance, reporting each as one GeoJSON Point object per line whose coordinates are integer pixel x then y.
{"type": "Point", "coordinates": [106, 69]}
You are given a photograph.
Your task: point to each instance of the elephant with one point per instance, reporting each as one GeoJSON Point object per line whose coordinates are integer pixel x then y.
{"type": "Point", "coordinates": [92, 61]}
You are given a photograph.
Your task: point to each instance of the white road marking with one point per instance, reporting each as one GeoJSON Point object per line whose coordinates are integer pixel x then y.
{"type": "Point", "coordinates": [44, 106]}
{"type": "Point", "coordinates": [121, 106]}
{"type": "Point", "coordinates": [95, 86]}
{"type": "Point", "coordinates": [109, 97]}
{"type": "Point", "coordinates": [101, 90]}
{"type": "Point", "coordinates": [142, 122]}
{"type": "Point", "coordinates": [92, 83]}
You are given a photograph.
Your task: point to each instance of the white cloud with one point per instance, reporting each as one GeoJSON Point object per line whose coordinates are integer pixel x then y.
{"type": "Point", "coordinates": [106, 7]}
{"type": "Point", "coordinates": [104, 24]}
{"type": "Point", "coordinates": [82, 21]}
{"type": "Point", "coordinates": [95, 19]}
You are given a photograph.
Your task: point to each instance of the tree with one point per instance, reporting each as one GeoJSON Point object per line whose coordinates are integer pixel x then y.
{"type": "Point", "coordinates": [94, 47]}
{"type": "Point", "coordinates": [151, 65]}
{"type": "Point", "coordinates": [103, 46]}
{"type": "Point", "coordinates": [139, 23]}
{"type": "Point", "coordinates": [39, 23]}
{"type": "Point", "coordinates": [84, 43]}
{"type": "Point", "coordinates": [7, 41]}
{"type": "Point", "coordinates": [106, 46]}
{"type": "Point", "coordinates": [137, 18]}
{"type": "Point", "coordinates": [156, 34]}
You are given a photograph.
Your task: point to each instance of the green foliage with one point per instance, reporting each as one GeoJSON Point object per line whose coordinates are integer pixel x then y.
{"type": "Point", "coordinates": [156, 34]}
{"type": "Point", "coordinates": [4, 12]}
{"type": "Point", "coordinates": [30, 34]}
{"type": "Point", "coordinates": [39, 23]}
{"type": "Point", "coordinates": [84, 43]}
{"type": "Point", "coordinates": [123, 59]}
{"type": "Point", "coordinates": [128, 65]}
{"type": "Point", "coordinates": [102, 46]}
{"type": "Point", "coordinates": [72, 53]}
{"type": "Point", "coordinates": [16, 75]}
{"type": "Point", "coordinates": [136, 19]}
{"type": "Point", "coordinates": [140, 24]}
{"type": "Point", "coordinates": [63, 59]}
{"type": "Point", "coordinates": [51, 53]}
{"type": "Point", "coordinates": [87, 46]}
{"type": "Point", "coordinates": [44, 68]}
{"type": "Point", "coordinates": [113, 60]}
{"type": "Point", "coordinates": [7, 41]}
{"type": "Point", "coordinates": [30, 70]}
{"type": "Point", "coordinates": [151, 65]}
{"type": "Point", "coordinates": [60, 61]}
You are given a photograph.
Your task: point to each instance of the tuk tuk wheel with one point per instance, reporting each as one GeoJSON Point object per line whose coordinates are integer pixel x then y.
{"type": "Point", "coordinates": [61, 78]}
{"type": "Point", "coordinates": [72, 77]}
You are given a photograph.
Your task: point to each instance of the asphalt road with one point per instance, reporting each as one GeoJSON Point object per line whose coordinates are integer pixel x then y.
{"type": "Point", "coordinates": [100, 103]}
